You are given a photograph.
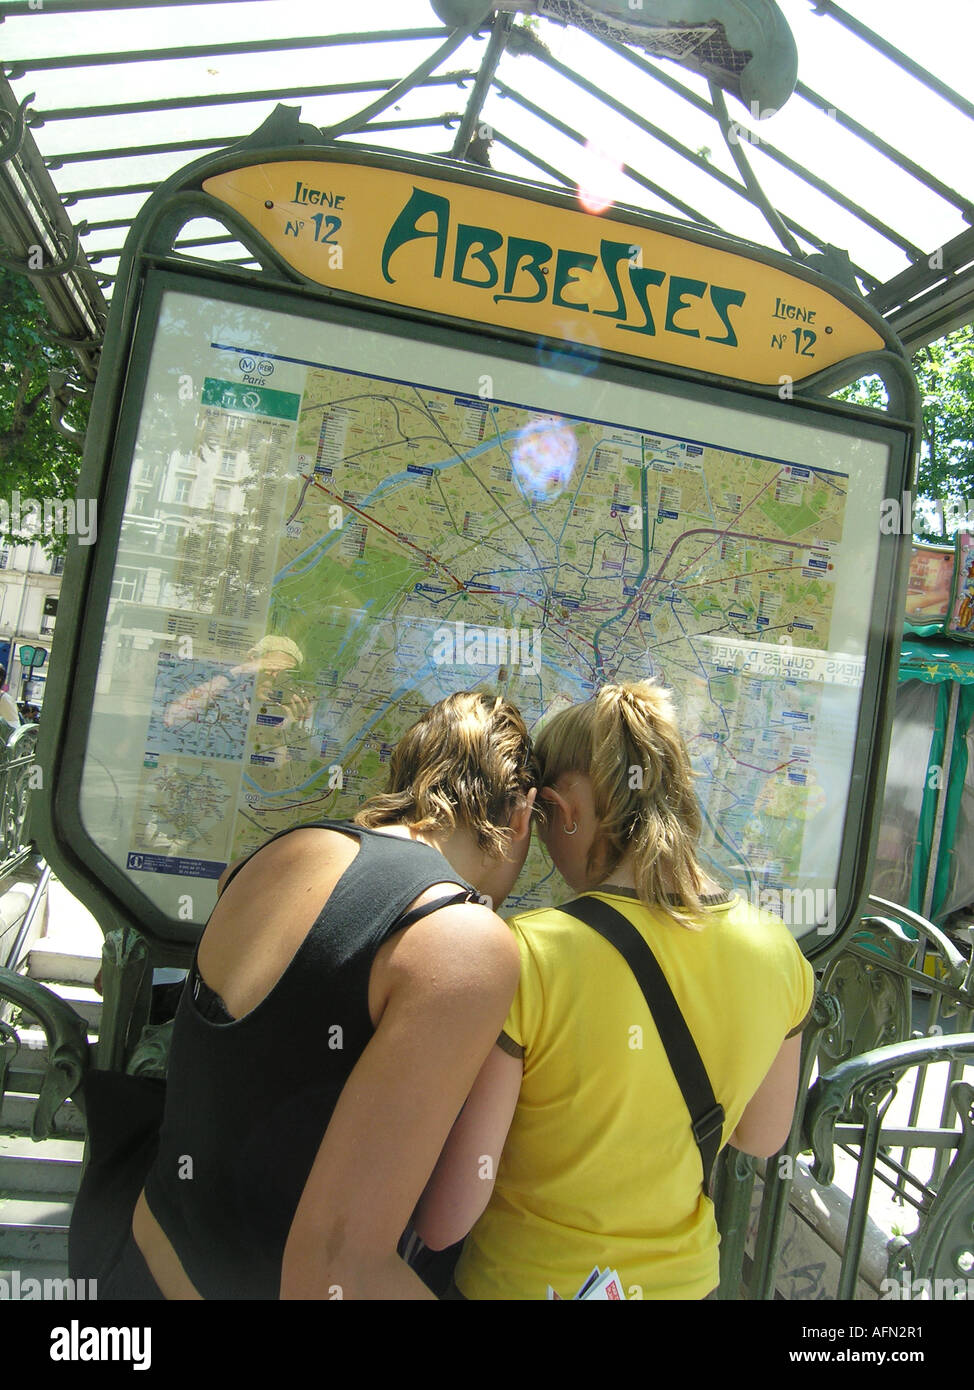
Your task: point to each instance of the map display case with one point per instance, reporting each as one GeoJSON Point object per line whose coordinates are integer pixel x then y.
{"type": "Point", "coordinates": [485, 445]}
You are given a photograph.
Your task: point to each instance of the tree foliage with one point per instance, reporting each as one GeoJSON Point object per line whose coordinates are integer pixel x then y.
{"type": "Point", "coordinates": [36, 460]}
{"type": "Point", "coordinates": [945, 472]}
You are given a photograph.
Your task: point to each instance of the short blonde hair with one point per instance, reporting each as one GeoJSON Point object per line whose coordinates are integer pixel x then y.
{"type": "Point", "coordinates": [467, 762]}
{"type": "Point", "coordinates": [626, 741]}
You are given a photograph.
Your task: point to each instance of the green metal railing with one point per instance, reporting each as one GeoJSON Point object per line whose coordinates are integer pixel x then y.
{"type": "Point", "coordinates": [18, 774]}
{"type": "Point", "coordinates": [866, 1051]}
{"type": "Point", "coordinates": [17, 780]}
{"type": "Point", "coordinates": [67, 1048]}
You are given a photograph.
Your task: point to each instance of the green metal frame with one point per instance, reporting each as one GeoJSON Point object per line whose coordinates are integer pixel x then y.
{"type": "Point", "coordinates": [110, 893]}
{"type": "Point", "coordinates": [923, 298]}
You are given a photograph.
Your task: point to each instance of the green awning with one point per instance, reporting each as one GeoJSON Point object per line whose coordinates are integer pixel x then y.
{"type": "Point", "coordinates": [935, 659]}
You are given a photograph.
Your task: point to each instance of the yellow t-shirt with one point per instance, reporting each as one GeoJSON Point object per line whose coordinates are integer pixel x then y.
{"type": "Point", "coordinates": [600, 1166]}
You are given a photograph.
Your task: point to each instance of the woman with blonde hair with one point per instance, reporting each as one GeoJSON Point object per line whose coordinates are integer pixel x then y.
{"type": "Point", "coordinates": [600, 1162]}
{"type": "Point", "coordinates": [347, 988]}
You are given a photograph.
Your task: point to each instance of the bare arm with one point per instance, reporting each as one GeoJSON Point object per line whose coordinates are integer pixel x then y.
{"type": "Point", "coordinates": [451, 980]}
{"type": "Point", "coordinates": [222, 881]}
{"type": "Point", "coordinates": [767, 1118]}
{"type": "Point", "coordinates": [459, 1190]}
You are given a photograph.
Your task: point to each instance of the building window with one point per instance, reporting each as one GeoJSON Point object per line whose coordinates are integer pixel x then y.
{"type": "Point", "coordinates": [183, 488]}
{"type": "Point", "coordinates": [49, 614]}
{"type": "Point", "coordinates": [57, 564]}
{"type": "Point", "coordinates": [127, 584]}
{"type": "Point", "coordinates": [4, 557]}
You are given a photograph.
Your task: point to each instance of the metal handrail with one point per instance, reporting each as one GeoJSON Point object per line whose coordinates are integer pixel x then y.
{"type": "Point", "coordinates": [13, 955]}
{"type": "Point", "coordinates": [861, 1040]}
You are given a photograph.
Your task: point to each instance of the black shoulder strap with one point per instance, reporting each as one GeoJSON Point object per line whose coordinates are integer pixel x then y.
{"type": "Point", "coordinates": [706, 1114]}
{"type": "Point", "coordinates": [415, 914]}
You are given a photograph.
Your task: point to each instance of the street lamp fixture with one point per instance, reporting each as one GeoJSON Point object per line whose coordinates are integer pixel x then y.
{"type": "Point", "coordinates": [743, 46]}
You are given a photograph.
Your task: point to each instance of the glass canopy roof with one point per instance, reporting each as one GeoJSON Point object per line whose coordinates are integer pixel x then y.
{"type": "Point", "coordinates": [869, 163]}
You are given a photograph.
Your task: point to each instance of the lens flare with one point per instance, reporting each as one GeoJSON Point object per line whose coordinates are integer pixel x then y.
{"type": "Point", "coordinates": [544, 458]}
{"type": "Point", "coordinates": [600, 179]}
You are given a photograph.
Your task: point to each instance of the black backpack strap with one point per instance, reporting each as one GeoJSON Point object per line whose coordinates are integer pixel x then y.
{"type": "Point", "coordinates": [706, 1114]}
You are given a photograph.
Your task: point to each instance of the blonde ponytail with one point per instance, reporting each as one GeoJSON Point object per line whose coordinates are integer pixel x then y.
{"type": "Point", "coordinates": [626, 741]}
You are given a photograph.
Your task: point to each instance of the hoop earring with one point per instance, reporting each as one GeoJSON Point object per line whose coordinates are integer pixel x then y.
{"type": "Point", "coordinates": [573, 829]}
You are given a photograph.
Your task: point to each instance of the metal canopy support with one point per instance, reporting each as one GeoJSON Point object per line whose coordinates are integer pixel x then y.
{"type": "Point", "coordinates": [31, 216]}
{"type": "Point", "coordinates": [933, 296]}
{"type": "Point", "coordinates": [758, 196]}
{"type": "Point", "coordinates": [895, 55]}
{"type": "Point", "coordinates": [419, 77]}
{"type": "Point", "coordinates": [792, 165]}
{"type": "Point", "coordinates": [743, 191]}
{"type": "Point", "coordinates": [934, 293]}
{"type": "Point", "coordinates": [21, 66]}
{"type": "Point", "coordinates": [562, 128]}
{"type": "Point", "coordinates": [902, 161]}
{"type": "Point", "coordinates": [216, 142]}
{"type": "Point", "coordinates": [541, 164]}
{"type": "Point", "coordinates": [495, 51]}
{"type": "Point", "coordinates": [392, 90]}
{"type": "Point", "coordinates": [819, 243]}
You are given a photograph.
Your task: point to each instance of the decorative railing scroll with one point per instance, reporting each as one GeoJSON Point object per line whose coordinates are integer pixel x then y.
{"type": "Point", "coordinates": [67, 1048]}
{"type": "Point", "coordinates": [895, 972]}
{"type": "Point", "coordinates": [16, 780]}
{"type": "Point", "coordinates": [865, 1087]}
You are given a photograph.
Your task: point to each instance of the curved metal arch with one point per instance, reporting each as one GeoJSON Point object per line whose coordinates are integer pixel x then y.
{"type": "Point", "coordinates": [11, 146]}
{"type": "Point", "coordinates": [72, 259]}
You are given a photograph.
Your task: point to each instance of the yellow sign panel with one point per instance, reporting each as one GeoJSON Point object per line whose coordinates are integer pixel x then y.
{"type": "Point", "coordinates": [503, 260]}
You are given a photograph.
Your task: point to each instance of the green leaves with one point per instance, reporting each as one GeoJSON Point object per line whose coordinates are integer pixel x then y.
{"type": "Point", "coordinates": [35, 459]}
{"type": "Point", "coordinates": [945, 374]}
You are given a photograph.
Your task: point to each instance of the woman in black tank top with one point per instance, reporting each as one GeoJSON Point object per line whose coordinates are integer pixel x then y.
{"type": "Point", "coordinates": [316, 1071]}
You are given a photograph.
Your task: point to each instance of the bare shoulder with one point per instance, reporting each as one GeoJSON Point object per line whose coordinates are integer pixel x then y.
{"type": "Point", "coordinates": [458, 950]}
{"type": "Point", "coordinates": [311, 846]}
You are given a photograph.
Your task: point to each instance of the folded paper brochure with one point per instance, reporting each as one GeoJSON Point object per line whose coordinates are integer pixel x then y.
{"type": "Point", "coordinates": [600, 1284]}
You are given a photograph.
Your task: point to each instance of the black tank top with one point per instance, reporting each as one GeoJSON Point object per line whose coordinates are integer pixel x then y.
{"type": "Point", "coordinates": [248, 1101]}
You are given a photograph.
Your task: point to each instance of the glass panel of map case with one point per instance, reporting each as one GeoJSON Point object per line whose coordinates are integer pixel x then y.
{"type": "Point", "coordinates": [328, 529]}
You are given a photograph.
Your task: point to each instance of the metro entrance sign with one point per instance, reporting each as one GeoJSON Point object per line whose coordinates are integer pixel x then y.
{"type": "Point", "coordinates": [458, 431]}
{"type": "Point", "coordinates": [467, 252]}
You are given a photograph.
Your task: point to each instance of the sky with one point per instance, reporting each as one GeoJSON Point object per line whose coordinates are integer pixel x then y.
{"type": "Point", "coordinates": [836, 65]}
